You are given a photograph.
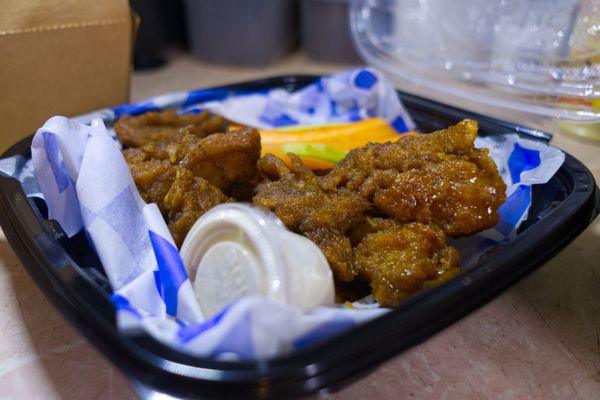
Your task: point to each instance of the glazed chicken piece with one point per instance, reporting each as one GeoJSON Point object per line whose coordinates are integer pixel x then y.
{"type": "Point", "coordinates": [181, 197]}
{"type": "Point", "coordinates": [152, 127]}
{"type": "Point", "coordinates": [436, 178]}
{"type": "Point", "coordinates": [186, 172]}
{"type": "Point", "coordinates": [294, 195]}
{"type": "Point", "coordinates": [382, 214]}
{"type": "Point", "coordinates": [226, 160]}
{"type": "Point", "coordinates": [399, 259]}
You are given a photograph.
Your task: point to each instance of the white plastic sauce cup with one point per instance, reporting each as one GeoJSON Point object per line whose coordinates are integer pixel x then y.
{"type": "Point", "coordinates": [237, 250]}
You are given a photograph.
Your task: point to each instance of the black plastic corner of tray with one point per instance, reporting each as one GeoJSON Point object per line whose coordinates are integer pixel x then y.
{"type": "Point", "coordinates": [155, 368]}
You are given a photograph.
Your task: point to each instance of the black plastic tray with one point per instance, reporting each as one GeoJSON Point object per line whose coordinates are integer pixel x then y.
{"type": "Point", "coordinates": [561, 210]}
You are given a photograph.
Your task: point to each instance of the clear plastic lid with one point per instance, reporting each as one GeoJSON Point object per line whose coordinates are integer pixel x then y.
{"type": "Point", "coordinates": [540, 56]}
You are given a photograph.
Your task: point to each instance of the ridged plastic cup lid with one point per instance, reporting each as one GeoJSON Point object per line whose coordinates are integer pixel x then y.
{"type": "Point", "coordinates": [226, 272]}
{"type": "Point", "coordinates": [238, 250]}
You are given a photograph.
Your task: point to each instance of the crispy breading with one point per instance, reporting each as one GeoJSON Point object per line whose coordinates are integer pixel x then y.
{"type": "Point", "coordinates": [186, 168]}
{"type": "Point", "coordinates": [436, 178]}
{"type": "Point", "coordinates": [188, 198]}
{"type": "Point", "coordinates": [399, 259]}
{"type": "Point", "coordinates": [226, 160]}
{"type": "Point", "coordinates": [151, 127]}
{"type": "Point", "coordinates": [181, 197]}
{"type": "Point", "coordinates": [294, 195]}
{"type": "Point", "coordinates": [422, 188]}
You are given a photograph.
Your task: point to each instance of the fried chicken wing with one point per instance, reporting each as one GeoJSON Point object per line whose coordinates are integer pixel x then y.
{"type": "Point", "coordinates": [226, 160]}
{"type": "Point", "coordinates": [294, 195]}
{"type": "Point", "coordinates": [152, 127]}
{"type": "Point", "coordinates": [420, 188]}
{"type": "Point", "coordinates": [381, 215]}
{"type": "Point", "coordinates": [181, 197]}
{"type": "Point", "coordinates": [186, 168]}
{"type": "Point", "coordinates": [436, 178]}
{"type": "Point", "coordinates": [400, 259]}
{"type": "Point", "coordinates": [188, 198]}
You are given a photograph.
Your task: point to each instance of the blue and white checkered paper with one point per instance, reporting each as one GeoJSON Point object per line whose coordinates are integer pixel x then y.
{"type": "Point", "coordinates": [87, 185]}
{"type": "Point", "coordinates": [345, 97]}
{"type": "Point", "coordinates": [522, 163]}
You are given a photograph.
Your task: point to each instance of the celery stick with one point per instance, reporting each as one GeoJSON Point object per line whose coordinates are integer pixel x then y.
{"type": "Point", "coordinates": [320, 151]}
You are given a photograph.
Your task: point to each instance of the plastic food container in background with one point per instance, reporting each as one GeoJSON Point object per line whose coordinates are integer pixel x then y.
{"type": "Point", "coordinates": [536, 56]}
{"type": "Point", "coordinates": [246, 32]}
{"type": "Point", "coordinates": [71, 276]}
{"type": "Point", "coordinates": [325, 31]}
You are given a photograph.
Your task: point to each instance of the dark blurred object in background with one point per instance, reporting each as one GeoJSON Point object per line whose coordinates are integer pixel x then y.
{"type": "Point", "coordinates": [326, 32]}
{"type": "Point", "coordinates": [174, 22]}
{"type": "Point", "coordinates": [243, 32]}
{"type": "Point", "coordinates": [161, 26]}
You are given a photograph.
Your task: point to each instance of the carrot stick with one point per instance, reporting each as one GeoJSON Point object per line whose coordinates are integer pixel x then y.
{"type": "Point", "coordinates": [320, 147]}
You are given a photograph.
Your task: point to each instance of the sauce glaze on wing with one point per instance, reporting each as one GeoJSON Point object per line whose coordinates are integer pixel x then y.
{"type": "Point", "coordinates": [186, 168]}
{"type": "Point", "coordinates": [421, 188]}
{"type": "Point", "coordinates": [439, 178]}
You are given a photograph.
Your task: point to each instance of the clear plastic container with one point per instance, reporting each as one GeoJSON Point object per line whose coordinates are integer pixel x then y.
{"type": "Point", "coordinates": [538, 56]}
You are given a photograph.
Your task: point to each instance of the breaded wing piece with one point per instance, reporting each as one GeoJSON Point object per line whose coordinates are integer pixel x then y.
{"type": "Point", "coordinates": [400, 259]}
{"type": "Point", "coordinates": [151, 127]}
{"type": "Point", "coordinates": [226, 160]}
{"type": "Point", "coordinates": [436, 178]}
{"type": "Point", "coordinates": [187, 174]}
{"type": "Point", "coordinates": [181, 197]}
{"type": "Point", "coordinates": [294, 195]}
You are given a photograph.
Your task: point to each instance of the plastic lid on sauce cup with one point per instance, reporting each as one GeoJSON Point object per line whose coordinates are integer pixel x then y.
{"type": "Point", "coordinates": [239, 250]}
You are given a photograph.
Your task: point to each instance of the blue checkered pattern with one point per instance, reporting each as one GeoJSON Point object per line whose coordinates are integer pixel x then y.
{"type": "Point", "coordinates": [345, 97]}
{"type": "Point", "coordinates": [522, 163]}
{"type": "Point", "coordinates": [98, 194]}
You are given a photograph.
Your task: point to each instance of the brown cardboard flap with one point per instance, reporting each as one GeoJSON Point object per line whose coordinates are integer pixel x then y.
{"type": "Point", "coordinates": [61, 58]}
{"type": "Point", "coordinates": [20, 16]}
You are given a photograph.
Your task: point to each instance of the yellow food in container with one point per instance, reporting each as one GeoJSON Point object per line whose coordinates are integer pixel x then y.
{"type": "Point", "coordinates": [322, 146]}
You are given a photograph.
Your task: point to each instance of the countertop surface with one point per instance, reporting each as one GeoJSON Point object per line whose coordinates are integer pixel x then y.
{"type": "Point", "coordinates": [539, 339]}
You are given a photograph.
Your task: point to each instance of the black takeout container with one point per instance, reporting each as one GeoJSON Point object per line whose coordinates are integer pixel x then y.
{"type": "Point", "coordinates": [70, 276]}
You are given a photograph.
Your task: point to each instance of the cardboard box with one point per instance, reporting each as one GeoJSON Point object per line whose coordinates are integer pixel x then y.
{"type": "Point", "coordinates": [61, 58]}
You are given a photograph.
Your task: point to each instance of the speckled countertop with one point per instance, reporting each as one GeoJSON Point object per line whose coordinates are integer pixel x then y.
{"type": "Point", "coordinates": [540, 339]}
